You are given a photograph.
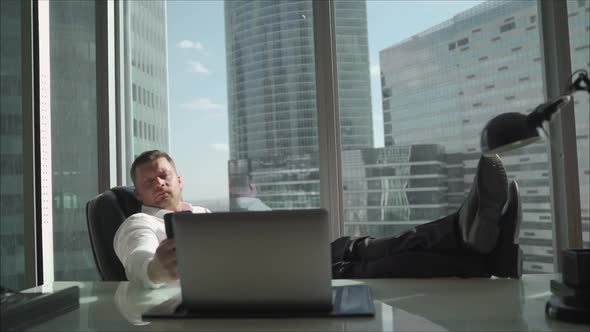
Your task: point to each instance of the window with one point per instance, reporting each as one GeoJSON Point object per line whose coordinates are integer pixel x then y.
{"type": "Point", "coordinates": [12, 260]}
{"type": "Point", "coordinates": [73, 120]}
{"type": "Point", "coordinates": [272, 133]}
{"type": "Point", "coordinates": [410, 118]}
{"type": "Point", "coordinates": [463, 41]}
{"type": "Point", "coordinates": [507, 27]}
{"type": "Point", "coordinates": [442, 101]}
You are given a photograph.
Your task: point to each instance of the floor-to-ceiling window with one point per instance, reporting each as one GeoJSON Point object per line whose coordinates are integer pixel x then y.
{"type": "Point", "coordinates": [73, 134]}
{"type": "Point", "coordinates": [439, 71]}
{"type": "Point", "coordinates": [11, 148]}
{"type": "Point", "coordinates": [232, 96]}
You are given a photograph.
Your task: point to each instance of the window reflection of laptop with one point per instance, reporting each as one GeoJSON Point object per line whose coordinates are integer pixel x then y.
{"type": "Point", "coordinates": [261, 264]}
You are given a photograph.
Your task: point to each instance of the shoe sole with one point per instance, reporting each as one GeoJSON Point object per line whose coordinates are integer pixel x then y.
{"type": "Point", "coordinates": [492, 192]}
{"type": "Point", "coordinates": [507, 255]}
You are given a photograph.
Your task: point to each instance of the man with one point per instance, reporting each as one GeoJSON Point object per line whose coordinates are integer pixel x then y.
{"type": "Point", "coordinates": [476, 241]}
{"type": "Point", "coordinates": [140, 242]}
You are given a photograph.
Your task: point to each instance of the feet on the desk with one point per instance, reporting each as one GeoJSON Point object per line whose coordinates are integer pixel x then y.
{"type": "Point", "coordinates": [479, 216]}
{"type": "Point", "coordinates": [506, 258]}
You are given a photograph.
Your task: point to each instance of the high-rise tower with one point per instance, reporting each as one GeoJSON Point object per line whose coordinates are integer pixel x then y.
{"type": "Point", "coordinates": [272, 93]}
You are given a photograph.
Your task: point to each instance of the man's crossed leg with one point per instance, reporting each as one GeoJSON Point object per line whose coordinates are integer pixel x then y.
{"type": "Point", "coordinates": [479, 240]}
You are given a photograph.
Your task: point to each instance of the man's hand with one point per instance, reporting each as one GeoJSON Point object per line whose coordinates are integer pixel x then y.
{"type": "Point", "coordinates": [163, 268]}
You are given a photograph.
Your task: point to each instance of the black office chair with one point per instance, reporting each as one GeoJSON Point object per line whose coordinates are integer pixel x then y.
{"type": "Point", "coordinates": [104, 214]}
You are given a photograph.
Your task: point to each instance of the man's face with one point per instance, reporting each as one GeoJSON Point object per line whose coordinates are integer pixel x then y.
{"type": "Point", "coordinates": [158, 185]}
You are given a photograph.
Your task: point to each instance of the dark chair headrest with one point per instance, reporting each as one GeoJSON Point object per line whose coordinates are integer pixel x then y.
{"type": "Point", "coordinates": [105, 213]}
{"type": "Point", "coordinates": [127, 201]}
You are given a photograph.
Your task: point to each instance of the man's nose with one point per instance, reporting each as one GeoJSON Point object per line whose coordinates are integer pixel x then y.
{"type": "Point", "coordinates": [161, 182]}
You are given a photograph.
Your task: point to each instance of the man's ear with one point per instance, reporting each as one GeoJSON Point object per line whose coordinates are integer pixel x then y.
{"type": "Point", "coordinates": [179, 181]}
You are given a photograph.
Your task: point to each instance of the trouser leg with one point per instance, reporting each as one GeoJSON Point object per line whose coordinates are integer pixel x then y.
{"type": "Point", "coordinates": [433, 249]}
{"type": "Point", "coordinates": [440, 235]}
{"type": "Point", "coordinates": [422, 264]}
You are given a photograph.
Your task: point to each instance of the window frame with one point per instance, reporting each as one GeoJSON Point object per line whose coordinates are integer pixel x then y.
{"type": "Point", "coordinates": [31, 216]}
{"type": "Point", "coordinates": [565, 190]}
{"type": "Point", "coordinates": [324, 28]}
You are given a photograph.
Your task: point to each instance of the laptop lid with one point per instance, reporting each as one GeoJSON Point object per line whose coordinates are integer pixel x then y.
{"type": "Point", "coordinates": [254, 261]}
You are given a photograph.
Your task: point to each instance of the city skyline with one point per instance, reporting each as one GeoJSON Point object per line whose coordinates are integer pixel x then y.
{"type": "Point", "coordinates": [197, 82]}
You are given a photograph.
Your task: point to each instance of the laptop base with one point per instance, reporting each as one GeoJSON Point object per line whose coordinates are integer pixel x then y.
{"type": "Point", "coordinates": [347, 301]}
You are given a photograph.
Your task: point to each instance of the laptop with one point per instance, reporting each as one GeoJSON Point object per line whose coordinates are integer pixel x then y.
{"type": "Point", "coordinates": [258, 264]}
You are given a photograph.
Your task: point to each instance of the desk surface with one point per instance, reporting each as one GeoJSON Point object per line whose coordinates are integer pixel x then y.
{"type": "Point", "coordinates": [401, 305]}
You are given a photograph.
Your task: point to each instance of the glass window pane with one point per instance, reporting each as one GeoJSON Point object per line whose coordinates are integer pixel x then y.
{"type": "Point", "coordinates": [579, 28]}
{"type": "Point", "coordinates": [73, 134]}
{"type": "Point", "coordinates": [231, 96]}
{"type": "Point", "coordinates": [448, 67]}
{"type": "Point", "coordinates": [11, 148]}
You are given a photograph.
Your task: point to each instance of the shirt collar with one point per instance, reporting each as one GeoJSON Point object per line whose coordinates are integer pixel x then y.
{"type": "Point", "coordinates": [159, 213]}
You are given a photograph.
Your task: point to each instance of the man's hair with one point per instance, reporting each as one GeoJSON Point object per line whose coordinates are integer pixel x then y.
{"type": "Point", "coordinates": [149, 156]}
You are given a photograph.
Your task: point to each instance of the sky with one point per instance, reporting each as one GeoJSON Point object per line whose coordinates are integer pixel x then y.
{"type": "Point", "coordinates": [197, 80]}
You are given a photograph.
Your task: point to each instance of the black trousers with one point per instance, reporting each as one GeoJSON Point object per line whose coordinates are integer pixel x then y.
{"type": "Point", "coordinates": [434, 249]}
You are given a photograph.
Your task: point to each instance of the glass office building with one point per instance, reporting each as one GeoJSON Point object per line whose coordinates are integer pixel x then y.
{"type": "Point", "coordinates": [74, 114]}
{"type": "Point", "coordinates": [272, 94]}
{"type": "Point", "coordinates": [391, 189]}
{"type": "Point", "coordinates": [11, 148]}
{"type": "Point", "coordinates": [442, 85]}
{"type": "Point", "coordinates": [146, 77]}
{"type": "Point", "coordinates": [73, 134]}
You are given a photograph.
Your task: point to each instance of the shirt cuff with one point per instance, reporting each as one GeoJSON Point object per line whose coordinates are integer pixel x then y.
{"type": "Point", "coordinates": [147, 282]}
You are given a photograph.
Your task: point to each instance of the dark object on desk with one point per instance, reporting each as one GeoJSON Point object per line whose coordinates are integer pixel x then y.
{"type": "Point", "coordinates": [22, 310]}
{"type": "Point", "coordinates": [168, 222]}
{"type": "Point", "coordinates": [347, 301]}
{"type": "Point", "coordinates": [104, 214]}
{"type": "Point", "coordinates": [571, 296]}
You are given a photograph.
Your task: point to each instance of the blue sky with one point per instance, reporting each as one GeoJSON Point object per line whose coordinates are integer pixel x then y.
{"type": "Point", "coordinates": [197, 80]}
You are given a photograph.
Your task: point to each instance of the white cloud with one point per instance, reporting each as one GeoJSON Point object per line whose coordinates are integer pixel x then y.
{"type": "Point", "coordinates": [224, 147]}
{"type": "Point", "coordinates": [202, 104]}
{"type": "Point", "coordinates": [197, 67]}
{"type": "Point", "coordinates": [190, 44]}
{"type": "Point", "coordinates": [375, 71]}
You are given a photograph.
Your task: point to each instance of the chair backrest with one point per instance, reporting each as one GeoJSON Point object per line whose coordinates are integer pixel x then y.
{"type": "Point", "coordinates": [104, 214]}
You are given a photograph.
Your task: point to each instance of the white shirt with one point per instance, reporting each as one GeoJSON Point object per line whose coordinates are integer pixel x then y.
{"type": "Point", "coordinates": [139, 236]}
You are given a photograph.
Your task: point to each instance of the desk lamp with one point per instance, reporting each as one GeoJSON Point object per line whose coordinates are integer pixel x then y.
{"type": "Point", "coordinates": [571, 296]}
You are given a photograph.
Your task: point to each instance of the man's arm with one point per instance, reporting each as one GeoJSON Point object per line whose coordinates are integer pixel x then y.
{"type": "Point", "coordinates": [136, 244]}
{"type": "Point", "coordinates": [163, 267]}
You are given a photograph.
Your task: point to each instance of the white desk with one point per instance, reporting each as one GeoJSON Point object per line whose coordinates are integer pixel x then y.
{"type": "Point", "coordinates": [401, 305]}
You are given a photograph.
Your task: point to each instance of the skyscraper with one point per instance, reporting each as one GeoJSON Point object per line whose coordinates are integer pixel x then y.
{"type": "Point", "coordinates": [272, 94]}
{"type": "Point", "coordinates": [442, 85]}
{"type": "Point", "coordinates": [146, 77]}
{"type": "Point", "coordinates": [74, 113]}
{"type": "Point", "coordinates": [392, 189]}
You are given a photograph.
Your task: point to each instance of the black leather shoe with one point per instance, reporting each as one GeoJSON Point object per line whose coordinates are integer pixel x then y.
{"type": "Point", "coordinates": [480, 213]}
{"type": "Point", "coordinates": [507, 256]}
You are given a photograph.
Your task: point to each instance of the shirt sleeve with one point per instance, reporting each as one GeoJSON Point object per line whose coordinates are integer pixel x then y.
{"type": "Point", "coordinates": [135, 244]}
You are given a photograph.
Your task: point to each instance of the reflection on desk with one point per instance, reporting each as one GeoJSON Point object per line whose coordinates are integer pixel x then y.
{"type": "Point", "coordinates": [401, 305]}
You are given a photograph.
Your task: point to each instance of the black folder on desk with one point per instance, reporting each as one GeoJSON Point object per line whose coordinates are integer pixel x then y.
{"type": "Point", "coordinates": [347, 301]}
